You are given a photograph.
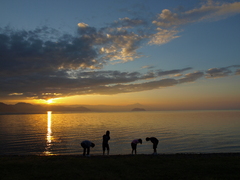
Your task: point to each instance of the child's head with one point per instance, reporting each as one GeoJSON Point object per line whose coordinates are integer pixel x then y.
{"type": "Point", "coordinates": [107, 133]}
{"type": "Point", "coordinates": [147, 139]}
{"type": "Point", "coordinates": [92, 145]}
{"type": "Point", "coordinates": [140, 140]}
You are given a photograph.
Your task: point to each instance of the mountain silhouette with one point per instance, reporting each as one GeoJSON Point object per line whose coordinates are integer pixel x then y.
{"type": "Point", "coordinates": [30, 108]}
{"type": "Point", "coordinates": [138, 109]}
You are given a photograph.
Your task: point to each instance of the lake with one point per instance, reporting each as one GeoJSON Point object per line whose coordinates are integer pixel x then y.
{"type": "Point", "coordinates": [178, 132]}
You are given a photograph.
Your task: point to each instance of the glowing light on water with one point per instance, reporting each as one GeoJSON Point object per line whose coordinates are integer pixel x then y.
{"type": "Point", "coordinates": [49, 136]}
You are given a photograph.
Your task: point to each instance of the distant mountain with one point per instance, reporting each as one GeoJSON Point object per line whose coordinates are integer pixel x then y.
{"type": "Point", "coordinates": [138, 109]}
{"type": "Point", "coordinates": [26, 108]}
{"type": "Point", "coordinates": [33, 108]}
{"type": "Point", "coordinates": [4, 108]}
{"type": "Point", "coordinates": [64, 108]}
{"type": "Point", "coordinates": [114, 108]}
{"type": "Point", "coordinates": [29, 108]}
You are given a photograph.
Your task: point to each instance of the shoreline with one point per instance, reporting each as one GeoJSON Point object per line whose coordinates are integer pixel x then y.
{"type": "Point", "coordinates": [122, 155]}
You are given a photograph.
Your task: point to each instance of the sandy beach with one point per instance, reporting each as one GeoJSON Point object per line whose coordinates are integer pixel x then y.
{"type": "Point", "coordinates": [161, 166]}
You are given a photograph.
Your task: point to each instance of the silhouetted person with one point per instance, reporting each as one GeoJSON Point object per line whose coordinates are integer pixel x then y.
{"type": "Point", "coordinates": [86, 146]}
{"type": "Point", "coordinates": [134, 145]}
{"type": "Point", "coordinates": [155, 143]}
{"type": "Point", "coordinates": [105, 145]}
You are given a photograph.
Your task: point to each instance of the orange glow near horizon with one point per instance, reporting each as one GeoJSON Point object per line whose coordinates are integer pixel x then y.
{"type": "Point", "coordinates": [49, 101]}
{"type": "Point", "coordinates": [118, 99]}
{"type": "Point", "coordinates": [46, 101]}
{"type": "Point", "coordinates": [202, 95]}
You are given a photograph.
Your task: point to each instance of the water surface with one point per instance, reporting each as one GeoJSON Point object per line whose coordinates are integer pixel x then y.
{"type": "Point", "coordinates": [177, 131]}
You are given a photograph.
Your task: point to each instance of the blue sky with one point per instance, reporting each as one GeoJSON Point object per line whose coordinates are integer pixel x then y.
{"type": "Point", "coordinates": [121, 52]}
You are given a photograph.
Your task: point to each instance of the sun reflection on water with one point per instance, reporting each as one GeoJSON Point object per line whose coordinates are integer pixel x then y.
{"type": "Point", "coordinates": [49, 136]}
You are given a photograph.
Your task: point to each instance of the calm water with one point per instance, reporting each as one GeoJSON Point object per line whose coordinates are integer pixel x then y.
{"type": "Point", "coordinates": [177, 131]}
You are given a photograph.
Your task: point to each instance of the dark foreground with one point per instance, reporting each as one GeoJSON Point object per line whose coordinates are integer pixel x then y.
{"type": "Point", "coordinates": [174, 166]}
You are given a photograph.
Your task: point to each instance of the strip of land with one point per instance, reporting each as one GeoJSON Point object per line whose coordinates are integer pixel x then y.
{"type": "Point", "coordinates": [163, 166]}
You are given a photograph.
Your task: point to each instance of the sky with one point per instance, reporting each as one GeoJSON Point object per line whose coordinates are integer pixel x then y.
{"type": "Point", "coordinates": [167, 54]}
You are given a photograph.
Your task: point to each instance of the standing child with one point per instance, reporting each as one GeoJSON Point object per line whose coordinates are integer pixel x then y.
{"type": "Point", "coordinates": [155, 143]}
{"type": "Point", "coordinates": [105, 145]}
{"type": "Point", "coordinates": [134, 145]}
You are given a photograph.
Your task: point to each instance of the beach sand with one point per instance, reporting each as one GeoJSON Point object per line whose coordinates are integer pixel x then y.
{"type": "Point", "coordinates": [161, 166]}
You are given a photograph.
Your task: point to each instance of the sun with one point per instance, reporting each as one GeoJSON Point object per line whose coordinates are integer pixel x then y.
{"type": "Point", "coordinates": [49, 101]}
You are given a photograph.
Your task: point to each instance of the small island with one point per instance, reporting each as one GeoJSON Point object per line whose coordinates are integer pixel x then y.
{"type": "Point", "coordinates": [138, 109]}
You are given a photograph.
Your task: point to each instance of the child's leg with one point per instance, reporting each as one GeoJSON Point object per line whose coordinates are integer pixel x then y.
{"type": "Point", "coordinates": [108, 149]}
{"type": "Point", "coordinates": [84, 148]}
{"type": "Point", "coordinates": [103, 148]}
{"type": "Point", "coordinates": [133, 147]}
{"type": "Point", "coordinates": [155, 148]}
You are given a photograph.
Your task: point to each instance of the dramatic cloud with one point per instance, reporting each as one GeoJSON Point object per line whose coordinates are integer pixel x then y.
{"type": "Point", "coordinates": [46, 63]}
{"type": "Point", "coordinates": [93, 82]}
{"type": "Point", "coordinates": [168, 21]}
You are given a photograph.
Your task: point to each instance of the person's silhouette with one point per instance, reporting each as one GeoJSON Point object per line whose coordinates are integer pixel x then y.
{"type": "Point", "coordinates": [134, 145]}
{"type": "Point", "coordinates": [155, 143]}
{"type": "Point", "coordinates": [86, 146]}
{"type": "Point", "coordinates": [105, 145]}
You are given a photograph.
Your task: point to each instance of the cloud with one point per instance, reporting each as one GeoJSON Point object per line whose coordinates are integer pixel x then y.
{"type": "Point", "coordinates": [167, 19]}
{"type": "Point", "coordinates": [147, 67]}
{"type": "Point", "coordinates": [93, 82]}
{"type": "Point", "coordinates": [82, 25]}
{"type": "Point", "coordinates": [221, 72]}
{"type": "Point", "coordinates": [45, 62]}
{"type": "Point", "coordinates": [39, 51]}
{"type": "Point", "coordinates": [167, 22]}
{"type": "Point", "coordinates": [137, 87]}
{"type": "Point", "coordinates": [237, 72]}
{"type": "Point", "coordinates": [26, 52]}
{"type": "Point", "coordinates": [16, 94]}
{"type": "Point", "coordinates": [218, 72]}
{"type": "Point", "coordinates": [128, 23]}
{"type": "Point", "coordinates": [163, 36]}
{"type": "Point", "coordinates": [191, 77]}
{"type": "Point", "coordinates": [209, 11]}
{"type": "Point", "coordinates": [175, 71]}
{"type": "Point", "coordinates": [178, 75]}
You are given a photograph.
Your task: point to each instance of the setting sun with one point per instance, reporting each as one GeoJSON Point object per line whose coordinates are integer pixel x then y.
{"type": "Point", "coordinates": [49, 101]}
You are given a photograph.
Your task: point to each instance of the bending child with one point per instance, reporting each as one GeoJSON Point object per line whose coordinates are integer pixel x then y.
{"type": "Point", "coordinates": [134, 145]}
{"type": "Point", "coordinates": [86, 146]}
{"type": "Point", "coordinates": [155, 143]}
